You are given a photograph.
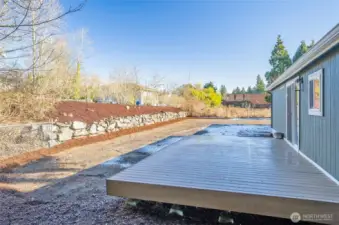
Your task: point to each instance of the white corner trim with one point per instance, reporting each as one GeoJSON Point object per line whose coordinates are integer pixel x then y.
{"type": "Point", "coordinates": [312, 162]}
{"type": "Point", "coordinates": [295, 147]}
{"type": "Point", "coordinates": [330, 40]}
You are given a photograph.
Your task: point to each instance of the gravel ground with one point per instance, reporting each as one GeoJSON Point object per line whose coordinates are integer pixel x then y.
{"type": "Point", "coordinates": [82, 199]}
{"type": "Point", "coordinates": [89, 206]}
{"type": "Point", "coordinates": [21, 148]}
{"type": "Point", "coordinates": [69, 187]}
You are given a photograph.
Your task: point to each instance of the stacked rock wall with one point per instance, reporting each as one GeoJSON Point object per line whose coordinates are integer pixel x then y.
{"type": "Point", "coordinates": [56, 133]}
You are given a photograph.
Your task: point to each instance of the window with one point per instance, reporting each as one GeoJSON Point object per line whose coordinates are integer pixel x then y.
{"type": "Point", "coordinates": [315, 93]}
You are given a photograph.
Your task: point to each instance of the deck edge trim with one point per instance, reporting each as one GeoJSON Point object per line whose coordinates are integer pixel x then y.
{"type": "Point", "coordinates": [327, 174]}
{"type": "Point", "coordinates": [282, 207]}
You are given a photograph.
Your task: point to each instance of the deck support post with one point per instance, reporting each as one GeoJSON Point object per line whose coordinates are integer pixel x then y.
{"type": "Point", "coordinates": [177, 210]}
{"type": "Point", "coordinates": [132, 202]}
{"type": "Point", "coordinates": [225, 218]}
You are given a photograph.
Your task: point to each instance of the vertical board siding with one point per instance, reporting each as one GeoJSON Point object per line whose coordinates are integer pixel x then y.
{"type": "Point", "coordinates": [335, 121]}
{"type": "Point", "coordinates": [279, 109]}
{"type": "Point", "coordinates": [319, 134]}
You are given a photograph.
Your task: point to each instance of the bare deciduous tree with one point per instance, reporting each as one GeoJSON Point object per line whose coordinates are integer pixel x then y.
{"type": "Point", "coordinates": [35, 69]}
{"type": "Point", "coordinates": [125, 87]}
{"type": "Point", "coordinates": [81, 46]}
{"type": "Point", "coordinates": [27, 27]}
{"type": "Point", "coordinates": [156, 82]}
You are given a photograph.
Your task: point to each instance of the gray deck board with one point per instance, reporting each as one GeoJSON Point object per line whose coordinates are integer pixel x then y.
{"type": "Point", "coordinates": [258, 167]}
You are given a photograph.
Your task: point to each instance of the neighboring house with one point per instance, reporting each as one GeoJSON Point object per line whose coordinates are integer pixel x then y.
{"type": "Point", "coordinates": [148, 96]}
{"type": "Point", "coordinates": [130, 93]}
{"type": "Point", "coordinates": [246, 100]}
{"type": "Point", "coordinates": [305, 104]}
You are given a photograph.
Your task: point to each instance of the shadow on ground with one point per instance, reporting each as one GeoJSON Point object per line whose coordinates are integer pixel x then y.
{"type": "Point", "coordinates": [82, 199]}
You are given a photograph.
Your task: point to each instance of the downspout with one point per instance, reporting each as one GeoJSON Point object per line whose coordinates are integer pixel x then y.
{"type": "Point", "coordinates": [301, 88]}
{"type": "Point", "coordinates": [271, 110]}
{"type": "Point", "coordinates": [300, 82]}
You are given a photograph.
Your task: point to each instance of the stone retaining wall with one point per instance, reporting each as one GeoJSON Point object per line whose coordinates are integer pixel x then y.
{"type": "Point", "coordinates": [56, 133]}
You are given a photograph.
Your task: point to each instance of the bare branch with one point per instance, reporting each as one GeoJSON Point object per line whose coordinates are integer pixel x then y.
{"type": "Point", "coordinates": [69, 11]}
{"type": "Point", "coordinates": [28, 46]}
{"type": "Point", "coordinates": [16, 27]}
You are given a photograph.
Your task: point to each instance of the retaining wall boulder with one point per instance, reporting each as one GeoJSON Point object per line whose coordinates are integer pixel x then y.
{"type": "Point", "coordinates": [78, 125]}
{"type": "Point", "coordinates": [56, 133]}
{"type": "Point", "coordinates": [65, 134]}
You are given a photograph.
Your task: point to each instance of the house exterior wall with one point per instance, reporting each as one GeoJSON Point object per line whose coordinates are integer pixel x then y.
{"type": "Point", "coordinates": [279, 109]}
{"type": "Point", "coordinates": [149, 98]}
{"type": "Point", "coordinates": [319, 135]}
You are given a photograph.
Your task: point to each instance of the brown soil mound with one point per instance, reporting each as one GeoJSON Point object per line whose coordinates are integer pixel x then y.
{"type": "Point", "coordinates": [25, 158]}
{"type": "Point", "coordinates": [91, 112]}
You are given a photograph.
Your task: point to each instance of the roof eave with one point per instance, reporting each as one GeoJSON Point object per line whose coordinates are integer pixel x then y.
{"type": "Point", "coordinates": [326, 43]}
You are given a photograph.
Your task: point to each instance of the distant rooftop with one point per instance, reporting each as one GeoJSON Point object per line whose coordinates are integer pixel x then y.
{"type": "Point", "coordinates": [257, 99]}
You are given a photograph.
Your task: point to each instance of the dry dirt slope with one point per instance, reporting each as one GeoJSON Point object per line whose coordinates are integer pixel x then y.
{"type": "Point", "coordinates": [94, 112]}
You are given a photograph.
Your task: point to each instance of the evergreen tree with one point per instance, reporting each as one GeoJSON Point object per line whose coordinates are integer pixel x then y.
{"type": "Point", "coordinates": [249, 90]}
{"type": "Point", "coordinates": [236, 91]}
{"type": "Point", "coordinates": [279, 60]}
{"type": "Point", "coordinates": [77, 83]}
{"type": "Point", "coordinates": [210, 84]}
{"type": "Point", "coordinates": [260, 85]}
{"type": "Point", "coordinates": [302, 49]}
{"type": "Point", "coordinates": [243, 91]}
{"type": "Point", "coordinates": [223, 90]}
{"type": "Point", "coordinates": [268, 98]}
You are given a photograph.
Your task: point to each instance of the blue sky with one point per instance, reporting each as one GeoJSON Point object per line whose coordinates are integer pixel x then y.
{"type": "Point", "coordinates": [228, 42]}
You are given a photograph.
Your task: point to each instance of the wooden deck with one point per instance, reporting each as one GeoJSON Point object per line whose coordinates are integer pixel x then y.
{"type": "Point", "coordinates": [255, 175]}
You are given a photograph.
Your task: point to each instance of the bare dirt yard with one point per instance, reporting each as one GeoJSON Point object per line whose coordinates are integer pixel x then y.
{"type": "Point", "coordinates": [20, 143]}
{"type": "Point", "coordinates": [69, 187]}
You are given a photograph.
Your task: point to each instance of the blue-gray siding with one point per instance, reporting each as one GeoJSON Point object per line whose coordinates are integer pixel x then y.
{"type": "Point", "coordinates": [319, 135]}
{"type": "Point", "coordinates": [279, 109]}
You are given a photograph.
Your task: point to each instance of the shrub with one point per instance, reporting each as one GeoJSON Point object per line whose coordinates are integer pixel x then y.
{"type": "Point", "coordinates": [172, 100]}
{"type": "Point", "coordinates": [207, 95]}
{"type": "Point", "coordinates": [32, 101]}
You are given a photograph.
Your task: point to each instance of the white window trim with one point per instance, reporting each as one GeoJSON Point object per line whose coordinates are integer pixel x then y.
{"type": "Point", "coordinates": [316, 75]}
